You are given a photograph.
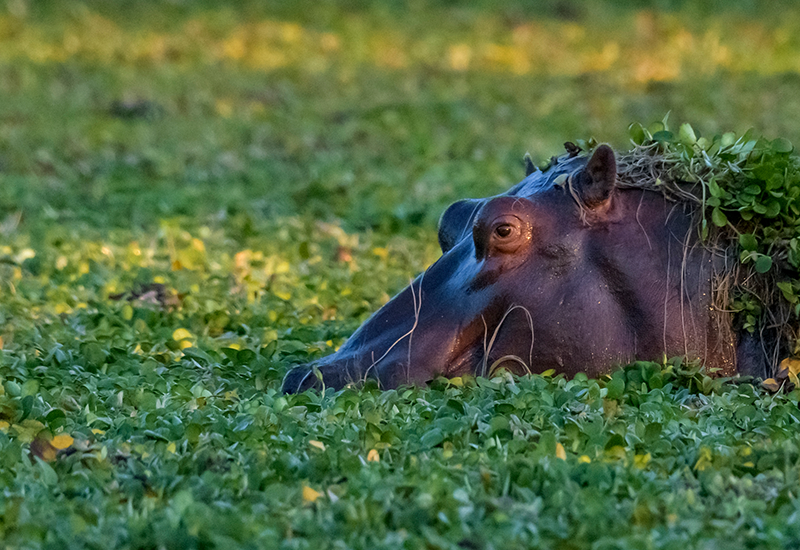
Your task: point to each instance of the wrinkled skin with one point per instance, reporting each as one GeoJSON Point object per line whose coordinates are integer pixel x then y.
{"type": "Point", "coordinates": [577, 276]}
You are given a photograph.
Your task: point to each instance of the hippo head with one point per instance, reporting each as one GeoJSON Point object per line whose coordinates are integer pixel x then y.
{"type": "Point", "coordinates": [568, 271]}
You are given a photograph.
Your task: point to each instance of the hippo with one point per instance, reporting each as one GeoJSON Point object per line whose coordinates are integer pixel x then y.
{"type": "Point", "coordinates": [574, 269]}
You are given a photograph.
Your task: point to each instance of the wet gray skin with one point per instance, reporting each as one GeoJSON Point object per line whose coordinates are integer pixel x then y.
{"type": "Point", "coordinates": [565, 271]}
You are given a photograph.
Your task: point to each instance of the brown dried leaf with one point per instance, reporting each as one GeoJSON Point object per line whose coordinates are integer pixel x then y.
{"type": "Point", "coordinates": [43, 449]}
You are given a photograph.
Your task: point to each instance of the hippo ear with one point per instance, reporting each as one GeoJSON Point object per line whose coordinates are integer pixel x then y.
{"type": "Point", "coordinates": [456, 221]}
{"type": "Point", "coordinates": [530, 167]}
{"type": "Point", "coordinates": [596, 182]}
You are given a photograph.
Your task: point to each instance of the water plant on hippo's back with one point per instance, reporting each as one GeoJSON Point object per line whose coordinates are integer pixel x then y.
{"type": "Point", "coordinates": [681, 246]}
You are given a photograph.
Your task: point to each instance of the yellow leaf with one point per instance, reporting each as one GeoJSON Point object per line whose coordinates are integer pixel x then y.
{"type": "Point", "coordinates": [283, 295]}
{"type": "Point", "coordinates": [171, 447]}
{"type": "Point", "coordinates": [309, 494]}
{"type": "Point", "coordinates": [447, 450]}
{"type": "Point", "coordinates": [232, 395]}
{"type": "Point", "coordinates": [583, 459]}
{"type": "Point", "coordinates": [224, 108]}
{"type": "Point", "coordinates": [672, 518]}
{"type": "Point", "coordinates": [641, 461]}
{"type": "Point", "coordinates": [373, 456]}
{"type": "Point", "coordinates": [4, 426]}
{"type": "Point", "coordinates": [704, 460]}
{"type": "Point", "coordinates": [185, 344]}
{"type": "Point", "coordinates": [62, 441]}
{"type": "Point", "coordinates": [791, 363]}
{"type": "Point", "coordinates": [771, 384]}
{"type": "Point", "coordinates": [380, 252]}
{"type": "Point", "coordinates": [560, 452]}
{"type": "Point", "coordinates": [181, 334]}
{"type": "Point", "coordinates": [127, 312]}
{"type": "Point", "coordinates": [318, 444]}
{"type": "Point", "coordinates": [97, 431]}
{"type": "Point", "coordinates": [1, 342]}
{"type": "Point", "coordinates": [789, 368]}
{"type": "Point", "coordinates": [617, 452]}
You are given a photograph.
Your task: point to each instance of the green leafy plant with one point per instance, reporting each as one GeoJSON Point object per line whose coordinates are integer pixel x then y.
{"type": "Point", "coordinates": [747, 191]}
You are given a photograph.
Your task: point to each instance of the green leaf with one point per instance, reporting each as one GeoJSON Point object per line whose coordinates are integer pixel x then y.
{"type": "Point", "coordinates": [763, 263]}
{"type": "Point", "coordinates": [713, 188]}
{"type": "Point", "coordinates": [615, 387]}
{"type": "Point", "coordinates": [787, 289]}
{"type": "Point", "coordinates": [773, 209]}
{"type": "Point", "coordinates": [656, 127]}
{"type": "Point", "coordinates": [13, 388]}
{"type": "Point", "coordinates": [30, 387]}
{"type": "Point", "coordinates": [94, 354]}
{"type": "Point", "coordinates": [753, 189]}
{"type": "Point", "coordinates": [719, 218]}
{"type": "Point", "coordinates": [782, 145]}
{"type": "Point", "coordinates": [686, 134]}
{"type": "Point", "coordinates": [637, 133]}
{"type": "Point", "coordinates": [728, 139]}
{"type": "Point", "coordinates": [665, 120]}
{"type": "Point", "coordinates": [748, 241]}
{"type": "Point", "coordinates": [46, 473]}
{"type": "Point", "coordinates": [432, 438]}
{"type": "Point", "coordinates": [664, 136]}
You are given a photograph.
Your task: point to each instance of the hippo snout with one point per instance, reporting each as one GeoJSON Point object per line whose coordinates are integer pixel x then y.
{"type": "Point", "coordinates": [300, 379]}
{"type": "Point", "coordinates": [335, 372]}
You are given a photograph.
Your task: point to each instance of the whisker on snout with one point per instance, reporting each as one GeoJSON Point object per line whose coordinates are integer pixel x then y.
{"type": "Point", "coordinates": [487, 349]}
{"type": "Point", "coordinates": [417, 305]}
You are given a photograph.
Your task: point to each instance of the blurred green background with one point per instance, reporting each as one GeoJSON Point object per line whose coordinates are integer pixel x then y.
{"type": "Point", "coordinates": [119, 114]}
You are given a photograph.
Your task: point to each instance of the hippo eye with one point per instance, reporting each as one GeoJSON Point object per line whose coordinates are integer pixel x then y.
{"type": "Point", "coordinates": [503, 226]}
{"type": "Point", "coordinates": [504, 230]}
{"type": "Point", "coordinates": [508, 233]}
